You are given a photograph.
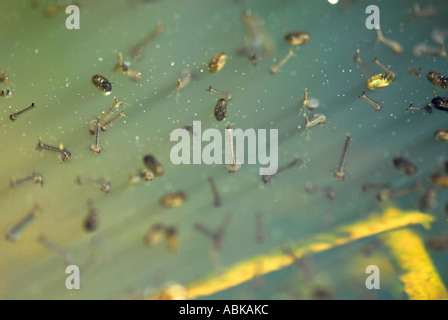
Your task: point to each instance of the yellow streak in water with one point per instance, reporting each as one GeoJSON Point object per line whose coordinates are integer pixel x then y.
{"type": "Point", "coordinates": [391, 219]}
{"type": "Point", "coordinates": [419, 276]}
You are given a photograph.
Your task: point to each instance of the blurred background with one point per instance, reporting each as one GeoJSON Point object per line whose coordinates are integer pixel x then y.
{"type": "Point", "coordinates": [52, 66]}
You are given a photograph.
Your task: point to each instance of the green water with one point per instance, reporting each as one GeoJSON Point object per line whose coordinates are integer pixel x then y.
{"type": "Point", "coordinates": [52, 67]}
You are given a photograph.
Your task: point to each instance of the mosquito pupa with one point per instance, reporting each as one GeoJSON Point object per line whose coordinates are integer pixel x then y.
{"type": "Point", "coordinates": [145, 175]}
{"type": "Point", "coordinates": [441, 134]}
{"type": "Point", "coordinates": [172, 239]}
{"type": "Point", "coordinates": [153, 165]}
{"type": "Point", "coordinates": [91, 222]}
{"type": "Point", "coordinates": [295, 38]}
{"type": "Point", "coordinates": [217, 62]}
{"type": "Point", "coordinates": [172, 200]}
{"type": "Point", "coordinates": [155, 234]}
{"type": "Point", "coordinates": [440, 180]}
{"type": "Point", "coordinates": [339, 173]}
{"type": "Point", "coordinates": [102, 83]}
{"type": "Point", "coordinates": [405, 166]}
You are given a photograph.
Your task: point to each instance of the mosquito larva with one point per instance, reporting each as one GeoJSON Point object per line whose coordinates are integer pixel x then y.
{"type": "Point", "coordinates": [14, 115]}
{"type": "Point", "coordinates": [393, 45]}
{"type": "Point", "coordinates": [415, 72]}
{"type": "Point", "coordinates": [105, 126]}
{"type": "Point", "coordinates": [226, 95]}
{"type": "Point", "coordinates": [297, 162]}
{"type": "Point", "coordinates": [364, 68]}
{"type": "Point", "coordinates": [275, 67]}
{"type": "Point", "coordinates": [67, 257]}
{"type": "Point", "coordinates": [339, 173]}
{"type": "Point", "coordinates": [428, 12]}
{"type": "Point", "coordinates": [318, 119]}
{"type": "Point", "coordinates": [216, 197]}
{"type": "Point", "coordinates": [424, 49]}
{"type": "Point", "coordinates": [217, 236]}
{"type": "Point", "coordinates": [36, 178]}
{"type": "Point", "coordinates": [329, 193]}
{"type": "Point", "coordinates": [386, 69]}
{"type": "Point", "coordinates": [375, 104]}
{"type": "Point", "coordinates": [124, 68]}
{"type": "Point", "coordinates": [15, 232]}
{"type": "Point", "coordinates": [96, 148]}
{"type": "Point", "coordinates": [137, 51]}
{"type": "Point", "coordinates": [232, 165]}
{"type": "Point", "coordinates": [65, 154]}
{"type": "Point", "coordinates": [186, 78]}
{"type": "Point", "coordinates": [426, 108]}
{"type": "Point", "coordinates": [105, 115]}
{"type": "Point", "coordinates": [371, 186]}
{"type": "Point", "coordinates": [387, 194]}
{"type": "Point", "coordinates": [260, 230]}
{"type": "Point", "coordinates": [104, 186]}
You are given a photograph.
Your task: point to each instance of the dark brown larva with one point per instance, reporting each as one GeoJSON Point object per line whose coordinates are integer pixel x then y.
{"type": "Point", "coordinates": [405, 166]}
{"type": "Point", "coordinates": [102, 83]}
{"type": "Point", "coordinates": [438, 79]}
{"type": "Point", "coordinates": [221, 109]}
{"type": "Point", "coordinates": [153, 165]}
